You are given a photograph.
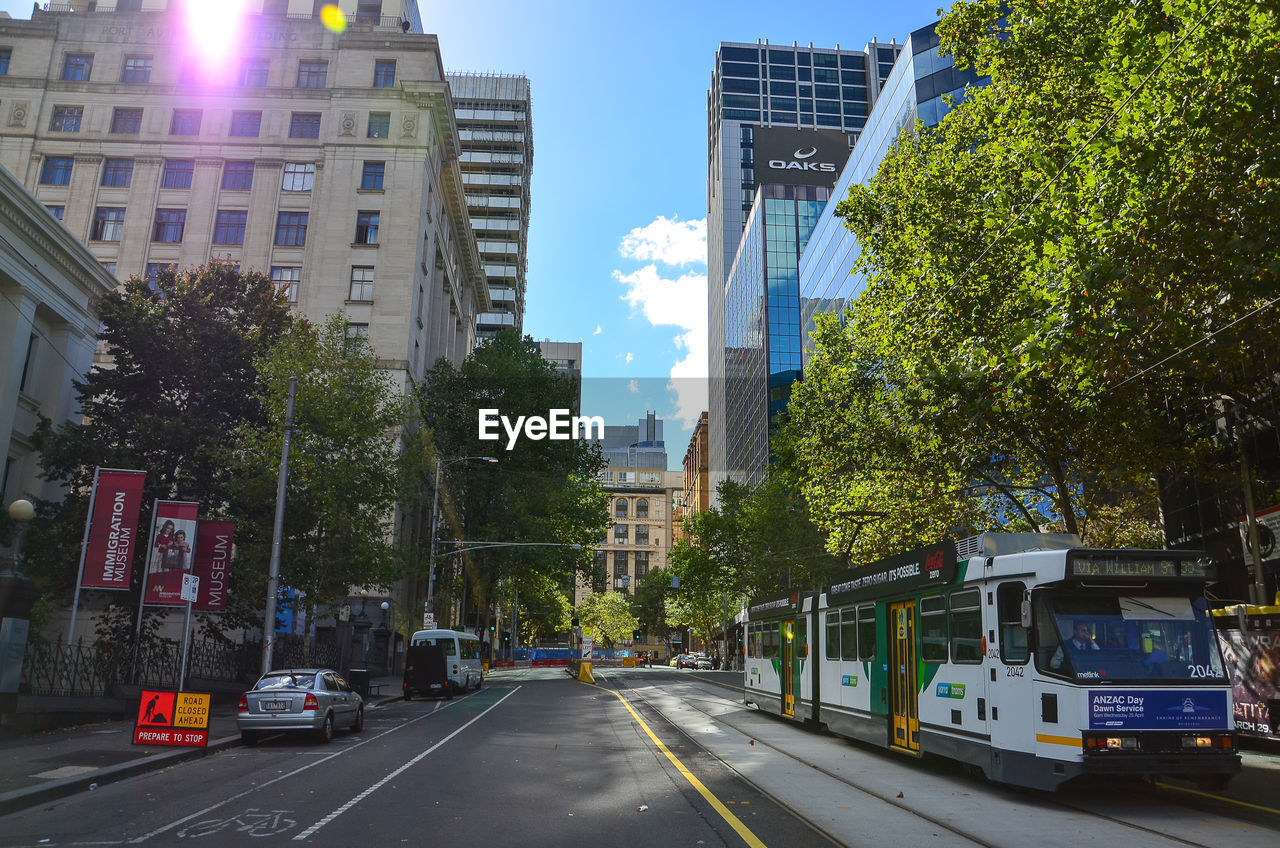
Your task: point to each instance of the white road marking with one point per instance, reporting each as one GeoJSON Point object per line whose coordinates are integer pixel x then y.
{"type": "Point", "coordinates": [225, 801]}
{"type": "Point", "coordinates": [375, 787]}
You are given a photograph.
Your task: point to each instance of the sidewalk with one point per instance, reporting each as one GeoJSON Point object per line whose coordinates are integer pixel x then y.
{"type": "Point", "coordinates": [53, 764]}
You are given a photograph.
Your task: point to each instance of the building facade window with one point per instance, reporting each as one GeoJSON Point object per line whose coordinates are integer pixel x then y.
{"type": "Point", "coordinates": [367, 227]}
{"type": "Point", "coordinates": [372, 175]}
{"type": "Point", "coordinates": [291, 229]}
{"type": "Point", "coordinates": [169, 224]}
{"type": "Point", "coordinates": [642, 508]}
{"type": "Point", "coordinates": [66, 119]}
{"type": "Point", "coordinates": [384, 73]}
{"type": "Point", "coordinates": [56, 170]}
{"type": "Point", "coordinates": [361, 284]}
{"type": "Point", "coordinates": [108, 224]}
{"type": "Point", "coordinates": [304, 125]}
{"type": "Point", "coordinates": [379, 125]}
{"type": "Point", "coordinates": [642, 534]}
{"type": "Point", "coordinates": [642, 564]}
{"type": "Point", "coordinates": [620, 508]}
{"type": "Point", "coordinates": [5, 54]}
{"type": "Point", "coordinates": [77, 67]}
{"type": "Point", "coordinates": [246, 124]}
{"type": "Point", "coordinates": [253, 72]}
{"type": "Point", "coordinates": [237, 176]}
{"type": "Point", "coordinates": [56, 211]}
{"type": "Point", "coordinates": [137, 69]}
{"type": "Point", "coordinates": [357, 331]}
{"type": "Point", "coordinates": [152, 273]}
{"type": "Point", "coordinates": [312, 73]}
{"type": "Point", "coordinates": [126, 121]}
{"type": "Point", "coordinates": [229, 226]}
{"type": "Point", "coordinates": [298, 176]}
{"type": "Point", "coordinates": [117, 173]}
{"type": "Point", "coordinates": [620, 563]}
{"type": "Point", "coordinates": [185, 122]}
{"type": "Point", "coordinates": [287, 278]}
{"type": "Point", "coordinates": [177, 173]}
{"type": "Point", "coordinates": [621, 534]}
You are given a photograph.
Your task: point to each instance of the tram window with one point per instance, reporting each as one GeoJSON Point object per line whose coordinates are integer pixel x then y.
{"type": "Point", "coordinates": [833, 635]}
{"type": "Point", "coordinates": [933, 629]}
{"type": "Point", "coordinates": [770, 641]}
{"type": "Point", "coordinates": [867, 632]}
{"type": "Point", "coordinates": [966, 626]}
{"type": "Point", "coordinates": [1015, 648]}
{"type": "Point", "coordinates": [753, 641]}
{"type": "Point", "coordinates": [801, 646]}
{"type": "Point", "coordinates": [848, 635]}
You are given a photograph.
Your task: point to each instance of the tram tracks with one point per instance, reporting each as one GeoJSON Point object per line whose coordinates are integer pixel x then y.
{"type": "Point", "coordinates": [706, 709]}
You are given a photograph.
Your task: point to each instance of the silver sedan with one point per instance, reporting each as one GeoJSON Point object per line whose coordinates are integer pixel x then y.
{"type": "Point", "coordinates": [310, 699]}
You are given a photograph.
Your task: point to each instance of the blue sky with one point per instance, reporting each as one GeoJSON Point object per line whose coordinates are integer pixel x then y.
{"type": "Point", "coordinates": [617, 257]}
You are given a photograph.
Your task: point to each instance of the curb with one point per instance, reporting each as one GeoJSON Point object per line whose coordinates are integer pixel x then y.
{"type": "Point", "coordinates": [21, 799]}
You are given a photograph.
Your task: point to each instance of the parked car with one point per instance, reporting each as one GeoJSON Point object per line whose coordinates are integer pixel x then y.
{"type": "Point", "coordinates": [316, 700]}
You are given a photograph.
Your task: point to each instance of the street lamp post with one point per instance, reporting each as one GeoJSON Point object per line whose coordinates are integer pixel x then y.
{"type": "Point", "coordinates": [435, 520]}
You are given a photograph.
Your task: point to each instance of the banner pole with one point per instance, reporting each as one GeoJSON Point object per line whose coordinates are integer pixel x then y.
{"type": "Point", "coordinates": [142, 598]}
{"type": "Point", "coordinates": [186, 641]}
{"type": "Point", "coordinates": [84, 550]}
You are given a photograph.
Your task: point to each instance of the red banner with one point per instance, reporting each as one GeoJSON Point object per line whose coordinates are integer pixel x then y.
{"type": "Point", "coordinates": [113, 529]}
{"type": "Point", "coordinates": [172, 544]}
{"type": "Point", "coordinates": [214, 541]}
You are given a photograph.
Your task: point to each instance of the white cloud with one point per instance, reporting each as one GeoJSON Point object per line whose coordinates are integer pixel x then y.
{"type": "Point", "coordinates": [598, 330]}
{"type": "Point", "coordinates": [671, 242]}
{"type": "Point", "coordinates": [634, 387]}
{"type": "Point", "coordinates": [681, 303]}
{"type": "Point", "coordinates": [629, 357]}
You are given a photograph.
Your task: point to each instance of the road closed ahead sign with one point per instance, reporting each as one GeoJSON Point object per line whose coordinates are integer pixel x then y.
{"type": "Point", "coordinates": [172, 718]}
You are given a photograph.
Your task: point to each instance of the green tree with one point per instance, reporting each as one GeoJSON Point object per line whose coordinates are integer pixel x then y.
{"type": "Point", "coordinates": [649, 603]}
{"type": "Point", "coordinates": [608, 616]}
{"type": "Point", "coordinates": [180, 387]}
{"type": "Point", "coordinates": [545, 609]}
{"type": "Point", "coordinates": [1066, 278]}
{"type": "Point", "coordinates": [540, 490]}
{"type": "Point", "coordinates": [347, 467]}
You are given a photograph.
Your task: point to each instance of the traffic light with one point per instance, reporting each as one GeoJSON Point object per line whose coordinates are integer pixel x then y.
{"type": "Point", "coordinates": [492, 628]}
{"type": "Point", "coordinates": [635, 634]}
{"type": "Point", "coordinates": [506, 637]}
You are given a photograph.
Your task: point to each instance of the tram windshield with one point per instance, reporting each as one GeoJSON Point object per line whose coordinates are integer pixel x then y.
{"type": "Point", "coordinates": [1101, 634]}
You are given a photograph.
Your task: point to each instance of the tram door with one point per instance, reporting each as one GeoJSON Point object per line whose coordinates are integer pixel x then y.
{"type": "Point", "coordinates": [786, 669]}
{"type": "Point", "coordinates": [902, 676]}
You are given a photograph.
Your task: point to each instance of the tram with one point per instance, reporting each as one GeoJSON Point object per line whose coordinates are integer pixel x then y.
{"type": "Point", "coordinates": [1024, 656]}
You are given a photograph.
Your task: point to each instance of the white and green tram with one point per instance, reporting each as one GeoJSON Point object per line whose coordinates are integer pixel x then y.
{"type": "Point", "coordinates": [1021, 655]}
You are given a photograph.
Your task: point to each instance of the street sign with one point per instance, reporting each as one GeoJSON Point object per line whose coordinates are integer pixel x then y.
{"type": "Point", "coordinates": [586, 647]}
{"type": "Point", "coordinates": [172, 718]}
{"type": "Point", "coordinates": [428, 621]}
{"type": "Point", "coordinates": [190, 587]}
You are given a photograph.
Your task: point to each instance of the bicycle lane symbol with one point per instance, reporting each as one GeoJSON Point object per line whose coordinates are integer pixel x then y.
{"type": "Point", "coordinates": [253, 822]}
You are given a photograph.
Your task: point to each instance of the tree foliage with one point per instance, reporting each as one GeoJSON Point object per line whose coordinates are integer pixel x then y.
{"type": "Point", "coordinates": [539, 491]}
{"type": "Point", "coordinates": [1066, 279]}
{"type": "Point", "coordinates": [608, 616]}
{"type": "Point", "coordinates": [180, 386]}
{"type": "Point", "coordinates": [347, 468]}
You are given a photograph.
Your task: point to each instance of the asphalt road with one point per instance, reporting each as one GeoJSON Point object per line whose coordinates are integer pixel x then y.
{"type": "Point", "coordinates": [648, 757]}
{"type": "Point", "coordinates": [539, 762]}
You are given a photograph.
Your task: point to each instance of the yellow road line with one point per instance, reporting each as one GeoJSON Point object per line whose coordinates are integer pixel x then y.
{"type": "Point", "coordinates": [733, 821]}
{"type": "Point", "coordinates": [1218, 798]}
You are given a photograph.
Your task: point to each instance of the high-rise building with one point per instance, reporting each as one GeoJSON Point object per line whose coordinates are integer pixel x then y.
{"type": "Point", "coordinates": [913, 90]}
{"type": "Point", "coordinates": [495, 129]}
{"type": "Point", "coordinates": [567, 358]}
{"type": "Point", "coordinates": [327, 160]}
{"type": "Point", "coordinates": [765, 85]}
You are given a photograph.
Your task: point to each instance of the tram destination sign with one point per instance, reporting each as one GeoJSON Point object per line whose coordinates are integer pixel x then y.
{"type": "Point", "coordinates": [910, 572]}
{"type": "Point", "coordinates": [1155, 565]}
{"type": "Point", "coordinates": [778, 606]}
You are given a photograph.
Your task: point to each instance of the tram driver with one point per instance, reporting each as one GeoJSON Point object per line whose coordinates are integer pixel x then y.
{"type": "Point", "coordinates": [1081, 640]}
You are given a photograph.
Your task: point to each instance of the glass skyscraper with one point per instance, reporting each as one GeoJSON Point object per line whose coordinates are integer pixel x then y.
{"type": "Point", "coordinates": [752, 86]}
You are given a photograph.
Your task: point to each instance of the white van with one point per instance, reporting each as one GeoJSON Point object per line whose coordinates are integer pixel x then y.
{"type": "Point", "coordinates": [461, 658]}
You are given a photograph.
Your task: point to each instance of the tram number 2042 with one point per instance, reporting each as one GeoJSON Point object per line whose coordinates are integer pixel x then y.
{"type": "Point", "coordinates": [1201, 671]}
{"type": "Point", "coordinates": [1014, 671]}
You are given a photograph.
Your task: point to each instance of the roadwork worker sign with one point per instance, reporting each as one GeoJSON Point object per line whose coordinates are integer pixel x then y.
{"type": "Point", "coordinates": [172, 718]}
